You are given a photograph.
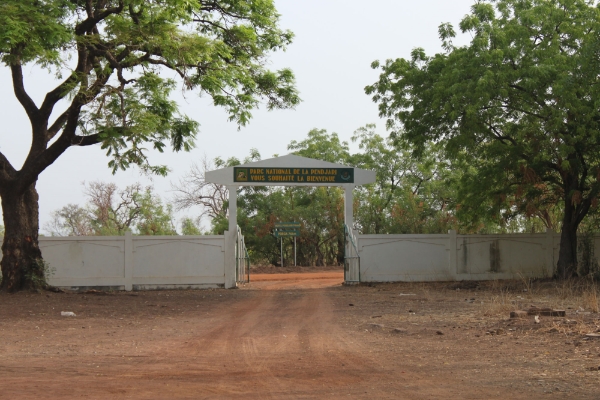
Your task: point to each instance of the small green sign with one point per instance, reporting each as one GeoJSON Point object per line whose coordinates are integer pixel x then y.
{"type": "Point", "coordinates": [308, 176]}
{"type": "Point", "coordinates": [287, 233]}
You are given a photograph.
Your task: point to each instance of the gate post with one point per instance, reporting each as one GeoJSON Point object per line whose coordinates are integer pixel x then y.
{"type": "Point", "coordinates": [231, 239]}
{"type": "Point", "coordinates": [349, 206]}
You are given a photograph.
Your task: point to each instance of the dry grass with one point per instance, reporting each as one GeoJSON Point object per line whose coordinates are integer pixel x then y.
{"type": "Point", "coordinates": [528, 284]}
{"type": "Point", "coordinates": [582, 295]}
{"type": "Point", "coordinates": [502, 303]}
{"type": "Point", "coordinates": [590, 298]}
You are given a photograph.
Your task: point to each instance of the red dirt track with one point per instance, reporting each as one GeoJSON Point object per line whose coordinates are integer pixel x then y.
{"type": "Point", "coordinates": [288, 336]}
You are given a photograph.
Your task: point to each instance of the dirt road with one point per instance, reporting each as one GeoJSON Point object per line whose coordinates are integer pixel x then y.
{"type": "Point", "coordinates": [282, 338]}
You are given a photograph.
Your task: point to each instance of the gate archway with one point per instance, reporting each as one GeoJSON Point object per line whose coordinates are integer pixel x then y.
{"type": "Point", "coordinates": [290, 170]}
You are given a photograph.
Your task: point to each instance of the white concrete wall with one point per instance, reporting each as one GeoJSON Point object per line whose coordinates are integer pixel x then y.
{"type": "Point", "coordinates": [147, 262]}
{"type": "Point", "coordinates": [389, 258]}
{"type": "Point", "coordinates": [136, 262]}
{"type": "Point", "coordinates": [178, 260]}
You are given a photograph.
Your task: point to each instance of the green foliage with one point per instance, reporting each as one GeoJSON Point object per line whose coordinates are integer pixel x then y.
{"type": "Point", "coordinates": [516, 110]}
{"type": "Point", "coordinates": [113, 58]}
{"type": "Point", "coordinates": [39, 29]}
{"type": "Point", "coordinates": [410, 195]}
{"type": "Point", "coordinates": [111, 211]}
{"type": "Point", "coordinates": [114, 62]}
{"type": "Point", "coordinates": [153, 218]}
{"type": "Point", "coordinates": [190, 227]}
{"type": "Point", "coordinates": [149, 116]}
{"type": "Point", "coordinates": [322, 146]}
{"type": "Point", "coordinates": [319, 210]}
{"type": "Point", "coordinates": [71, 220]}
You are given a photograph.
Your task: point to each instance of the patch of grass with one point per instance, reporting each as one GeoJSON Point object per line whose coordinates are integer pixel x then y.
{"type": "Point", "coordinates": [590, 298]}
{"type": "Point", "coordinates": [498, 304]}
{"type": "Point", "coordinates": [529, 286]}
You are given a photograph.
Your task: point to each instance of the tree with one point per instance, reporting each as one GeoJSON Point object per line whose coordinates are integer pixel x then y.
{"type": "Point", "coordinates": [322, 146]}
{"type": "Point", "coordinates": [107, 57]}
{"type": "Point", "coordinates": [323, 206]}
{"type": "Point", "coordinates": [114, 211]}
{"type": "Point", "coordinates": [190, 227]}
{"type": "Point", "coordinates": [410, 195]}
{"type": "Point", "coordinates": [154, 217]}
{"type": "Point", "coordinates": [517, 107]}
{"type": "Point", "coordinates": [320, 210]}
{"type": "Point", "coordinates": [192, 190]}
{"type": "Point", "coordinates": [71, 220]}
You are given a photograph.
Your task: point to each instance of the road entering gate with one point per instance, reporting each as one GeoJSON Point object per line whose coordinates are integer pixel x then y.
{"type": "Point", "coordinates": [299, 280]}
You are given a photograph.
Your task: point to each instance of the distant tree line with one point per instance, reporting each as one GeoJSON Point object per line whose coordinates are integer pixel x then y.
{"type": "Point", "coordinates": [113, 211]}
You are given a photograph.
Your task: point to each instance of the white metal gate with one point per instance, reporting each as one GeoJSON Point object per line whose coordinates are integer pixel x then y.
{"type": "Point", "coordinates": [242, 259]}
{"type": "Point", "coordinates": [351, 258]}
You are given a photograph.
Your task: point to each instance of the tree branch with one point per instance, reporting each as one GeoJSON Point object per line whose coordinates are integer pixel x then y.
{"type": "Point", "coordinates": [86, 140]}
{"type": "Point", "coordinates": [93, 18]}
{"type": "Point", "coordinates": [7, 171]}
{"type": "Point", "coordinates": [19, 89]}
{"type": "Point", "coordinates": [57, 125]}
{"type": "Point", "coordinates": [34, 166]}
{"type": "Point", "coordinates": [56, 95]}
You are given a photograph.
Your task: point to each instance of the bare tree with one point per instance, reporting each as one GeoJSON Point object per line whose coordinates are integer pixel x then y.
{"type": "Point", "coordinates": [193, 190]}
{"type": "Point", "coordinates": [71, 220]}
{"type": "Point", "coordinates": [114, 210]}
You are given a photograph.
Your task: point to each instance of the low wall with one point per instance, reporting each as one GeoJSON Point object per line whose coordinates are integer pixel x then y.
{"type": "Point", "coordinates": [135, 262]}
{"type": "Point", "coordinates": [150, 262]}
{"type": "Point", "coordinates": [389, 258]}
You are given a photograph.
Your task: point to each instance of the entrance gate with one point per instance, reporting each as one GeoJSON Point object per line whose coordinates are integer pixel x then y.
{"type": "Point", "coordinates": [290, 170]}
{"type": "Point", "coordinates": [242, 259]}
{"type": "Point", "coordinates": [351, 258]}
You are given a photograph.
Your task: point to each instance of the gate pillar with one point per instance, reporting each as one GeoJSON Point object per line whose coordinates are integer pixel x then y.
{"type": "Point", "coordinates": [349, 206]}
{"type": "Point", "coordinates": [231, 239]}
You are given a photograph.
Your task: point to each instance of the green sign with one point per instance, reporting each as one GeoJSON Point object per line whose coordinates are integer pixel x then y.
{"type": "Point", "coordinates": [287, 233]}
{"type": "Point", "coordinates": [293, 175]}
{"type": "Point", "coordinates": [287, 225]}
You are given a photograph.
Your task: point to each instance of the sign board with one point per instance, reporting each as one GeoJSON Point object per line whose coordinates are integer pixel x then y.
{"type": "Point", "coordinates": [287, 229]}
{"type": "Point", "coordinates": [287, 233]}
{"type": "Point", "coordinates": [287, 225]}
{"type": "Point", "coordinates": [293, 175]}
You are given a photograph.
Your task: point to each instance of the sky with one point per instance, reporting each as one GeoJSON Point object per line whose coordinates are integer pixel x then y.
{"type": "Point", "coordinates": [335, 43]}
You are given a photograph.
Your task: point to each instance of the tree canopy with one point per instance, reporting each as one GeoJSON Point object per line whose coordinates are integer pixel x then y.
{"type": "Point", "coordinates": [113, 62]}
{"type": "Point", "coordinates": [409, 196]}
{"type": "Point", "coordinates": [517, 109]}
{"type": "Point", "coordinates": [113, 211]}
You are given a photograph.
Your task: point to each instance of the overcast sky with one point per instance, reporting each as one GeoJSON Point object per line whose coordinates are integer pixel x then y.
{"type": "Point", "coordinates": [335, 43]}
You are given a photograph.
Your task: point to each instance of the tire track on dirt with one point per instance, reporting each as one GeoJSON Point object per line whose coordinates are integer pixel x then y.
{"type": "Point", "coordinates": [276, 342]}
{"type": "Point", "coordinates": [286, 339]}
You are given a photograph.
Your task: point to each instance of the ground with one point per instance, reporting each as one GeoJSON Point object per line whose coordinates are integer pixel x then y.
{"type": "Point", "coordinates": [301, 336]}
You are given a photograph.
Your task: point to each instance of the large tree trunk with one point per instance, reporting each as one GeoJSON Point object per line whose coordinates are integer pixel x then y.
{"type": "Point", "coordinates": [567, 255]}
{"type": "Point", "coordinates": [22, 265]}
